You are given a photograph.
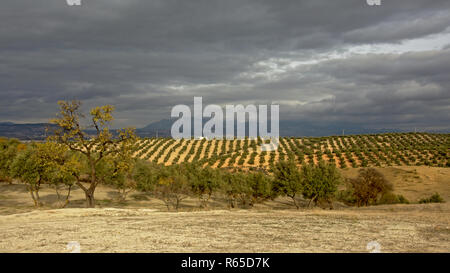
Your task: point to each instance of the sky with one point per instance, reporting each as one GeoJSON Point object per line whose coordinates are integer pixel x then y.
{"type": "Point", "coordinates": [322, 61]}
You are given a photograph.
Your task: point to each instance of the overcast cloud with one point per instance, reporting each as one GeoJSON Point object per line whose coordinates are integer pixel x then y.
{"type": "Point", "coordinates": [322, 61]}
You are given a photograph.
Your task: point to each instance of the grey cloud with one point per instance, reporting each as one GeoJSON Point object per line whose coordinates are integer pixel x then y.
{"type": "Point", "coordinates": [146, 56]}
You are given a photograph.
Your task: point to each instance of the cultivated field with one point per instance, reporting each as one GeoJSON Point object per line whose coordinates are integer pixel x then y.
{"type": "Point", "coordinates": [399, 149]}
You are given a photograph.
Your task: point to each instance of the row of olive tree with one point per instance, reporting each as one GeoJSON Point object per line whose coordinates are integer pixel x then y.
{"type": "Point", "coordinates": [174, 183]}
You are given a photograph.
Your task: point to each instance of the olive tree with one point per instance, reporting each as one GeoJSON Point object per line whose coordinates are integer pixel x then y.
{"type": "Point", "coordinates": [172, 189]}
{"type": "Point", "coordinates": [288, 180]}
{"type": "Point", "coordinates": [320, 182]}
{"type": "Point", "coordinates": [203, 181]}
{"type": "Point", "coordinates": [31, 170]}
{"type": "Point", "coordinates": [260, 187]}
{"type": "Point", "coordinates": [9, 148]}
{"type": "Point", "coordinates": [169, 184]}
{"type": "Point", "coordinates": [228, 188]}
{"type": "Point", "coordinates": [62, 166]}
{"type": "Point", "coordinates": [236, 188]}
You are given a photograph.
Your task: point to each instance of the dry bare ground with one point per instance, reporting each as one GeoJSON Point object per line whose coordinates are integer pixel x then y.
{"type": "Point", "coordinates": [399, 228]}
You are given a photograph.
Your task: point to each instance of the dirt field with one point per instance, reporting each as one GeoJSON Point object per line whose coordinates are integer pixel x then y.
{"type": "Point", "coordinates": [142, 224]}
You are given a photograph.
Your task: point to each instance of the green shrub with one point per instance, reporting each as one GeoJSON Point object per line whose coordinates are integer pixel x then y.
{"type": "Point", "coordinates": [347, 197]}
{"type": "Point", "coordinates": [435, 198]}
{"type": "Point", "coordinates": [402, 199]}
{"type": "Point", "coordinates": [391, 198]}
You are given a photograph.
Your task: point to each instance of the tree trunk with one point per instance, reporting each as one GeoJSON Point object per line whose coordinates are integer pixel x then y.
{"type": "Point", "coordinates": [65, 202]}
{"type": "Point", "coordinates": [311, 200]}
{"type": "Point", "coordinates": [67, 197]}
{"type": "Point", "coordinates": [177, 204]}
{"type": "Point", "coordinates": [204, 200]}
{"type": "Point", "coordinates": [295, 202]}
{"type": "Point", "coordinates": [167, 202]}
{"type": "Point", "coordinates": [38, 199]}
{"type": "Point", "coordinates": [35, 196]}
{"type": "Point", "coordinates": [90, 201]}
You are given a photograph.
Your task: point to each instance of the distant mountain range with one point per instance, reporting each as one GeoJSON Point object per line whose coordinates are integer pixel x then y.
{"type": "Point", "coordinates": [295, 128]}
{"type": "Point", "coordinates": [36, 131]}
{"type": "Point", "coordinates": [24, 131]}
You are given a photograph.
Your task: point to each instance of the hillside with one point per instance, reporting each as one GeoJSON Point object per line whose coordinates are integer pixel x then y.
{"type": "Point", "coordinates": [393, 149]}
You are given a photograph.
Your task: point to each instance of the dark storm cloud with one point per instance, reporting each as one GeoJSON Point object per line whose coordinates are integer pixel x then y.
{"type": "Point", "coordinates": [146, 56]}
{"type": "Point", "coordinates": [381, 89]}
